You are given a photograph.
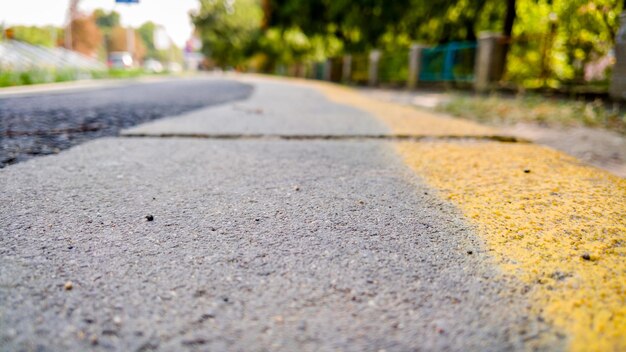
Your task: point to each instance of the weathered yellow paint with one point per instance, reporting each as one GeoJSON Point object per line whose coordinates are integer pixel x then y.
{"type": "Point", "coordinates": [539, 225]}
{"type": "Point", "coordinates": [405, 120]}
{"type": "Point", "coordinates": [402, 120]}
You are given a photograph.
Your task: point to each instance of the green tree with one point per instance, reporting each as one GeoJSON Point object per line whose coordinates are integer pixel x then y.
{"type": "Point", "coordinates": [118, 41]}
{"type": "Point", "coordinates": [106, 20]}
{"type": "Point", "coordinates": [86, 36]}
{"type": "Point", "coordinates": [228, 29]}
{"type": "Point", "coordinates": [44, 36]}
{"type": "Point", "coordinates": [594, 24]}
{"type": "Point", "coordinates": [366, 24]}
{"type": "Point", "coordinates": [555, 39]}
{"type": "Point", "coordinates": [146, 32]}
{"type": "Point", "coordinates": [551, 41]}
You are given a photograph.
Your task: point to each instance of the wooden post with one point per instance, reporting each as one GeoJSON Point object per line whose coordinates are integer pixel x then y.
{"type": "Point", "coordinates": [489, 61]}
{"type": "Point", "coordinates": [373, 68]}
{"type": "Point", "coordinates": [328, 69]}
{"type": "Point", "coordinates": [346, 70]}
{"type": "Point", "coordinates": [415, 64]}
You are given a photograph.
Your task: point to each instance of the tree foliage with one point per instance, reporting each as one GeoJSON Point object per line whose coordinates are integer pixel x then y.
{"type": "Point", "coordinates": [106, 20]}
{"type": "Point", "coordinates": [45, 36]}
{"type": "Point", "coordinates": [374, 23]}
{"type": "Point", "coordinates": [118, 41]}
{"type": "Point", "coordinates": [228, 29]}
{"type": "Point", "coordinates": [146, 33]}
{"type": "Point", "coordinates": [86, 37]}
{"type": "Point", "coordinates": [552, 40]}
{"type": "Point", "coordinates": [555, 39]}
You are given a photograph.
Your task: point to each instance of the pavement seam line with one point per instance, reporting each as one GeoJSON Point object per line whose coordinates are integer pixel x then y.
{"type": "Point", "coordinates": [288, 137]}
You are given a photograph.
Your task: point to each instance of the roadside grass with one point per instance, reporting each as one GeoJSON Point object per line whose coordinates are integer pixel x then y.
{"type": "Point", "coordinates": [497, 109]}
{"type": "Point", "coordinates": [120, 73]}
{"type": "Point", "coordinates": [39, 76]}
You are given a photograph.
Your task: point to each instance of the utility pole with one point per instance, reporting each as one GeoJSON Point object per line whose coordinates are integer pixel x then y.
{"type": "Point", "coordinates": [72, 13]}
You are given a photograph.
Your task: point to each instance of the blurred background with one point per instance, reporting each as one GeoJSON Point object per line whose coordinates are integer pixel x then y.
{"type": "Point", "coordinates": [48, 41]}
{"type": "Point", "coordinates": [565, 45]}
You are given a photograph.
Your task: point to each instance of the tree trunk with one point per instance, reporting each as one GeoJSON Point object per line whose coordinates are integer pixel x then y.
{"type": "Point", "coordinates": [509, 21]}
{"type": "Point", "coordinates": [267, 13]}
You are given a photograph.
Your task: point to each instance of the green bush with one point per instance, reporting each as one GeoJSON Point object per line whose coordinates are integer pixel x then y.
{"type": "Point", "coordinates": [38, 76]}
{"type": "Point", "coordinates": [394, 67]}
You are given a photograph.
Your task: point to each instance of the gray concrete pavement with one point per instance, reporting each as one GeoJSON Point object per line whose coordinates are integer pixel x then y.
{"type": "Point", "coordinates": [256, 245]}
{"type": "Point", "coordinates": [41, 124]}
{"type": "Point", "coordinates": [273, 109]}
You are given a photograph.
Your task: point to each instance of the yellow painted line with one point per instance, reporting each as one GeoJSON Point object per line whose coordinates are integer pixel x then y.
{"type": "Point", "coordinates": [559, 228]}
{"type": "Point", "coordinates": [405, 120]}
{"type": "Point", "coordinates": [556, 225]}
{"type": "Point", "coordinates": [402, 120]}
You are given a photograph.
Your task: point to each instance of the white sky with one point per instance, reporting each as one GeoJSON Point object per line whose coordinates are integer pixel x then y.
{"type": "Point", "coordinates": [172, 14]}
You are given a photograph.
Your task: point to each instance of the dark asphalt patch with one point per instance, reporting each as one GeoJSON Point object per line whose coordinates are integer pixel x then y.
{"type": "Point", "coordinates": [46, 124]}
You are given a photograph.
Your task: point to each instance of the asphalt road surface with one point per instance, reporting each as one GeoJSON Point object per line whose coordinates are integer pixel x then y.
{"type": "Point", "coordinates": [255, 243]}
{"type": "Point", "coordinates": [45, 124]}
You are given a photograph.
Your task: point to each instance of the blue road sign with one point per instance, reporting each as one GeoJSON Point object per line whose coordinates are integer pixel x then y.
{"type": "Point", "coordinates": [127, 1]}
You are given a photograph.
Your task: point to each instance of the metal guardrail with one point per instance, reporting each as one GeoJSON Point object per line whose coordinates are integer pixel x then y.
{"type": "Point", "coordinates": [450, 62]}
{"type": "Point", "coordinates": [19, 56]}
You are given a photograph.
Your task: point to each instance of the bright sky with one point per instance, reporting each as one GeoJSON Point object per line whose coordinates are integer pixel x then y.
{"type": "Point", "coordinates": [172, 14]}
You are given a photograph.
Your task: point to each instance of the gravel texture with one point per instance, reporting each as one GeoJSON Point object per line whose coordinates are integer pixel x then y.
{"type": "Point", "coordinates": [254, 245]}
{"type": "Point", "coordinates": [48, 123]}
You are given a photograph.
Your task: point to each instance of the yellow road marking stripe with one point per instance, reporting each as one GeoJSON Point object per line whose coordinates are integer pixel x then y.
{"type": "Point", "coordinates": [402, 120]}
{"type": "Point", "coordinates": [559, 228]}
{"type": "Point", "coordinates": [541, 225]}
{"type": "Point", "coordinates": [405, 120]}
